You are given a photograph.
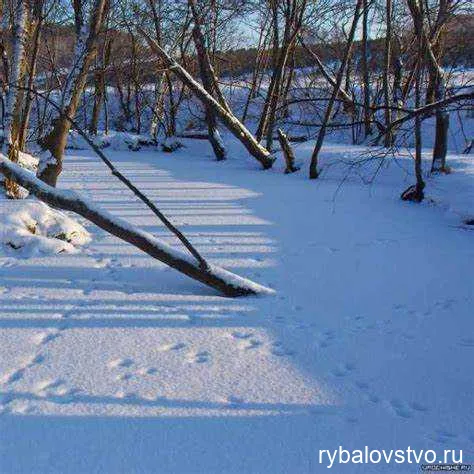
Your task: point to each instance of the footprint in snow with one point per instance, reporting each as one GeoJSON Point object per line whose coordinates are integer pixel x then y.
{"type": "Point", "coordinates": [361, 385]}
{"type": "Point", "coordinates": [201, 357]}
{"type": "Point", "coordinates": [172, 347]}
{"type": "Point", "coordinates": [120, 363]}
{"type": "Point", "coordinates": [343, 370]}
{"type": "Point", "coordinates": [443, 436]}
{"type": "Point", "coordinates": [241, 335]}
{"type": "Point", "coordinates": [280, 351]}
{"type": "Point", "coordinates": [400, 408]}
{"type": "Point", "coordinates": [326, 338]}
{"type": "Point", "coordinates": [467, 342]}
{"type": "Point", "coordinates": [252, 344]}
{"type": "Point", "coordinates": [124, 377]}
{"type": "Point", "coordinates": [147, 371]}
{"type": "Point", "coordinates": [417, 406]}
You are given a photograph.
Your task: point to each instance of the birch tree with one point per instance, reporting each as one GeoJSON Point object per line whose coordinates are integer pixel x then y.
{"type": "Point", "coordinates": [54, 143]}
{"type": "Point", "coordinates": [14, 95]}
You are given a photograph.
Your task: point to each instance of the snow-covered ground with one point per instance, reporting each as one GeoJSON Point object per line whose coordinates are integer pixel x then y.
{"type": "Point", "coordinates": [111, 362]}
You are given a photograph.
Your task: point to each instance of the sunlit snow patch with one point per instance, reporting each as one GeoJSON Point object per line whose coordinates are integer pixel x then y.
{"type": "Point", "coordinates": [36, 229]}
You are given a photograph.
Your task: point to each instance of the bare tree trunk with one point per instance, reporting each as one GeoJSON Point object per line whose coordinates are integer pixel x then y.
{"type": "Point", "coordinates": [14, 96]}
{"type": "Point", "coordinates": [99, 86]}
{"type": "Point", "coordinates": [365, 69]}
{"type": "Point", "coordinates": [287, 152]}
{"type": "Point", "coordinates": [54, 143]}
{"type": "Point", "coordinates": [313, 167]}
{"type": "Point", "coordinates": [293, 16]}
{"type": "Point", "coordinates": [233, 124]}
{"type": "Point", "coordinates": [171, 125]}
{"type": "Point", "coordinates": [157, 111]}
{"type": "Point", "coordinates": [437, 77]}
{"type": "Point", "coordinates": [259, 59]}
{"type": "Point", "coordinates": [35, 41]}
{"type": "Point", "coordinates": [388, 140]}
{"type": "Point", "coordinates": [209, 83]}
{"type": "Point", "coordinates": [415, 193]}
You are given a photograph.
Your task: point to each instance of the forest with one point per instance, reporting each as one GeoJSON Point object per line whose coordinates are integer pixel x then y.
{"type": "Point", "coordinates": [236, 235]}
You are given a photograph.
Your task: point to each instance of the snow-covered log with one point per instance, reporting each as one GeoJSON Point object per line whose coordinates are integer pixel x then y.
{"type": "Point", "coordinates": [232, 123]}
{"type": "Point", "coordinates": [226, 282]}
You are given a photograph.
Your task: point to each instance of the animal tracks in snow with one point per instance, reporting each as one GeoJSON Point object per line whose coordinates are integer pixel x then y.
{"type": "Point", "coordinates": [200, 357]}
{"type": "Point", "coordinates": [396, 406]}
{"type": "Point", "coordinates": [172, 347]}
{"type": "Point", "coordinates": [343, 370]}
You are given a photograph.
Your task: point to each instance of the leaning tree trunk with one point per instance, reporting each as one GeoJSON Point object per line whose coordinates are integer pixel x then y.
{"type": "Point", "coordinates": [313, 167]}
{"type": "Point", "coordinates": [218, 278]}
{"type": "Point", "coordinates": [207, 82]}
{"type": "Point", "coordinates": [54, 144]}
{"type": "Point", "coordinates": [260, 153]}
{"type": "Point", "coordinates": [348, 103]}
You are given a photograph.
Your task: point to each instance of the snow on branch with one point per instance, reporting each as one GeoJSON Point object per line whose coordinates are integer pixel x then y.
{"type": "Point", "coordinates": [226, 282]}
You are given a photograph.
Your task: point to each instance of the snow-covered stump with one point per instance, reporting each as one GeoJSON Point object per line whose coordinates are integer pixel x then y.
{"type": "Point", "coordinates": [226, 282]}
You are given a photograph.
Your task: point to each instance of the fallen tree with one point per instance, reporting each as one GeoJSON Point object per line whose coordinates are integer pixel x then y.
{"type": "Point", "coordinates": [234, 125]}
{"type": "Point", "coordinates": [226, 282]}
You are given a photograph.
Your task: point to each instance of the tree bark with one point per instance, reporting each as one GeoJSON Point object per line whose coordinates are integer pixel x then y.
{"type": "Point", "coordinates": [287, 152]}
{"type": "Point", "coordinates": [388, 141]}
{"type": "Point", "coordinates": [365, 69]}
{"type": "Point", "coordinates": [209, 84]}
{"type": "Point", "coordinates": [54, 143]}
{"type": "Point", "coordinates": [232, 123]}
{"type": "Point", "coordinates": [226, 282]}
{"type": "Point", "coordinates": [313, 167]}
{"type": "Point", "coordinates": [14, 95]}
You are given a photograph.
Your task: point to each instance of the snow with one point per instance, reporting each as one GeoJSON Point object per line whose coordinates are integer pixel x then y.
{"type": "Point", "coordinates": [112, 362]}
{"type": "Point", "coordinates": [35, 229]}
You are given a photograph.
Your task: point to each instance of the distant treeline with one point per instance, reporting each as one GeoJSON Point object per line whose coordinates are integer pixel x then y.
{"type": "Point", "coordinates": [457, 46]}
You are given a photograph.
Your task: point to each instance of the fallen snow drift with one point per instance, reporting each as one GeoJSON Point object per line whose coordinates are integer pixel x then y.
{"type": "Point", "coordinates": [36, 229]}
